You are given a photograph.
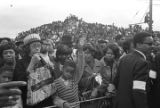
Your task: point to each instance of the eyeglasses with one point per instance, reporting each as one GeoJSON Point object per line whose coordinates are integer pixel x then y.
{"type": "Point", "coordinates": [150, 44]}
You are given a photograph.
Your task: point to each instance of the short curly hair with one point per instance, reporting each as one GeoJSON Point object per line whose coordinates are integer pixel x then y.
{"type": "Point", "coordinates": [9, 45]}
{"type": "Point", "coordinates": [115, 48]}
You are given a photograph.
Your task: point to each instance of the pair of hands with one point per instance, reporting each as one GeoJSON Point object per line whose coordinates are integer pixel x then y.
{"type": "Point", "coordinates": [36, 58]}
{"type": "Point", "coordinates": [9, 93]}
{"type": "Point", "coordinates": [111, 89]}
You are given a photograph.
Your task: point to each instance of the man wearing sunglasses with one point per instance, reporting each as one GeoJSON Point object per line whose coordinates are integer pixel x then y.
{"type": "Point", "coordinates": [133, 74]}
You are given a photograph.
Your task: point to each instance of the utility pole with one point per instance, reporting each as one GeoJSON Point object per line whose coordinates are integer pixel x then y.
{"type": "Point", "coordinates": [150, 15]}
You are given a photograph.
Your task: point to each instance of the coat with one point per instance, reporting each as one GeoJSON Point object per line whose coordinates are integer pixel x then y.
{"type": "Point", "coordinates": [88, 81]}
{"type": "Point", "coordinates": [88, 84]}
{"type": "Point", "coordinates": [20, 74]}
{"type": "Point", "coordinates": [132, 68]}
{"type": "Point", "coordinates": [108, 73]}
{"type": "Point", "coordinates": [154, 93]}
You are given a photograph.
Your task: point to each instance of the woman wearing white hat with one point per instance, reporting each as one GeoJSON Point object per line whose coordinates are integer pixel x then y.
{"type": "Point", "coordinates": [32, 45]}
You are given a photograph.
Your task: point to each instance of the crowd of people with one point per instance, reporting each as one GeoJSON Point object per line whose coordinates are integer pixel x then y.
{"type": "Point", "coordinates": [89, 66]}
{"type": "Point", "coordinates": [78, 27]}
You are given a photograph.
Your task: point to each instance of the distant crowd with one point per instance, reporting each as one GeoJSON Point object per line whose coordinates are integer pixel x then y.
{"type": "Point", "coordinates": [77, 27]}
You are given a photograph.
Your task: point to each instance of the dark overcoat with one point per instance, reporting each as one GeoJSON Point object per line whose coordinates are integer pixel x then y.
{"type": "Point", "coordinates": [154, 93]}
{"type": "Point", "coordinates": [132, 67]}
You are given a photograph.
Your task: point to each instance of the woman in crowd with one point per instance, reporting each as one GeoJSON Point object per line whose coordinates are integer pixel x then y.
{"type": "Point", "coordinates": [40, 78]}
{"type": "Point", "coordinates": [110, 63]}
{"type": "Point", "coordinates": [109, 71]}
{"type": "Point", "coordinates": [63, 52]}
{"type": "Point", "coordinates": [88, 83]}
{"type": "Point", "coordinates": [8, 54]}
{"type": "Point", "coordinates": [32, 46]}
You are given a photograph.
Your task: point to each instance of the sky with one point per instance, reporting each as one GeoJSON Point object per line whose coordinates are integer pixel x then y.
{"type": "Point", "coordinates": [21, 15]}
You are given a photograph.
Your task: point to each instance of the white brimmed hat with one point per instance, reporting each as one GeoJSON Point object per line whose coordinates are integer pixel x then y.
{"type": "Point", "coordinates": [31, 38]}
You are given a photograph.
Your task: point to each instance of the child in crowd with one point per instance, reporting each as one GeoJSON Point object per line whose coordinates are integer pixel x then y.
{"type": "Point", "coordinates": [6, 75]}
{"type": "Point", "coordinates": [67, 85]}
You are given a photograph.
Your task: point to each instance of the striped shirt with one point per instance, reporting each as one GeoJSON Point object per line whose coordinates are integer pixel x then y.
{"type": "Point", "coordinates": [69, 92]}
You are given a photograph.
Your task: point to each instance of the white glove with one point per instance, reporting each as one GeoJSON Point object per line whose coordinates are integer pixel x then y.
{"type": "Point", "coordinates": [111, 88]}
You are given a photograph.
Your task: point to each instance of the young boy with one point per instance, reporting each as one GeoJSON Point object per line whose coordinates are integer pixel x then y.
{"type": "Point", "coordinates": [67, 85]}
{"type": "Point", "coordinates": [6, 75]}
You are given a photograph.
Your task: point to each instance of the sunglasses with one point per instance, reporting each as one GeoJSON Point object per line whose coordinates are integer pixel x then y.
{"type": "Point", "coordinates": [150, 44]}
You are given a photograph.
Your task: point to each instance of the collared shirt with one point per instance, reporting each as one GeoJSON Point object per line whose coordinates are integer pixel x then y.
{"type": "Point", "coordinates": [140, 52]}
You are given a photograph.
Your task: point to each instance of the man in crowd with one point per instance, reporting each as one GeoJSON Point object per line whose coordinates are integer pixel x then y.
{"type": "Point", "coordinates": [119, 39]}
{"type": "Point", "coordinates": [133, 74]}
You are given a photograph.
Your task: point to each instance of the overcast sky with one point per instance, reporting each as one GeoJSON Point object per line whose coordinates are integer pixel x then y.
{"type": "Point", "coordinates": [21, 15]}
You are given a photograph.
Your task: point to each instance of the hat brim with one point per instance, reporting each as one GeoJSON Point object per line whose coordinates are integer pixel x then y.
{"type": "Point", "coordinates": [33, 41]}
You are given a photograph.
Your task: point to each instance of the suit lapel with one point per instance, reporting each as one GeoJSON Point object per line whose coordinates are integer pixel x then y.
{"type": "Point", "coordinates": [138, 54]}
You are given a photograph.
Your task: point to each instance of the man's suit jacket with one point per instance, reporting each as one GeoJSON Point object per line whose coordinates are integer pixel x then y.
{"type": "Point", "coordinates": [154, 93]}
{"type": "Point", "coordinates": [132, 67]}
